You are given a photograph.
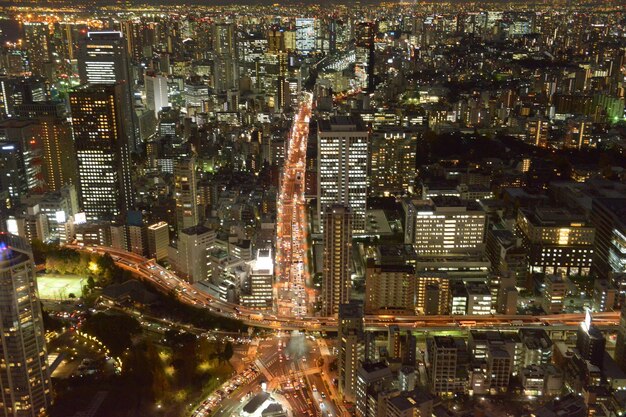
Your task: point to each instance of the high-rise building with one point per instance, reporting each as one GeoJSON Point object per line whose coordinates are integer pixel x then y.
{"type": "Point", "coordinates": [103, 60]}
{"type": "Point", "coordinates": [336, 282]}
{"type": "Point", "coordinates": [393, 162]}
{"type": "Point", "coordinates": [590, 342]}
{"type": "Point", "coordinates": [20, 158]}
{"type": "Point", "coordinates": [156, 91]}
{"type": "Point", "coordinates": [226, 65]}
{"type": "Point", "coordinates": [364, 51]}
{"type": "Point", "coordinates": [58, 153]}
{"type": "Point", "coordinates": [305, 35]}
{"type": "Point", "coordinates": [447, 360]}
{"type": "Point", "coordinates": [24, 368]}
{"type": "Point", "coordinates": [185, 193]}
{"type": "Point", "coordinates": [37, 43]}
{"type": "Point", "coordinates": [555, 290]}
{"type": "Point", "coordinates": [557, 241]}
{"type": "Point", "coordinates": [351, 347]}
{"type": "Point", "coordinates": [445, 225]}
{"type": "Point", "coordinates": [389, 289]}
{"type": "Point", "coordinates": [342, 167]}
{"type": "Point", "coordinates": [158, 237]}
{"type": "Point", "coordinates": [102, 150]}
{"type": "Point", "coordinates": [373, 379]}
{"type": "Point", "coordinates": [191, 255]}
{"type": "Point", "coordinates": [260, 290]}
{"type": "Point", "coordinates": [608, 215]}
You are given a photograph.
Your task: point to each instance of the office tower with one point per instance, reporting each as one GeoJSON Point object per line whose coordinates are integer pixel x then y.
{"type": "Point", "coordinates": [590, 342]}
{"type": "Point", "coordinates": [226, 67]}
{"type": "Point", "coordinates": [373, 379]}
{"type": "Point", "coordinates": [364, 51]}
{"type": "Point", "coordinates": [351, 347]}
{"type": "Point", "coordinates": [19, 90]}
{"type": "Point", "coordinates": [608, 215]}
{"type": "Point", "coordinates": [190, 257]}
{"type": "Point", "coordinates": [337, 259]}
{"type": "Point", "coordinates": [392, 162]}
{"type": "Point", "coordinates": [37, 45]}
{"type": "Point", "coordinates": [447, 361]}
{"type": "Point", "coordinates": [185, 193]}
{"type": "Point", "coordinates": [158, 237]}
{"type": "Point", "coordinates": [23, 358]}
{"type": "Point", "coordinates": [557, 241]}
{"type": "Point", "coordinates": [305, 35]}
{"type": "Point", "coordinates": [342, 167]}
{"type": "Point", "coordinates": [59, 207]}
{"type": "Point", "coordinates": [389, 289]}
{"type": "Point", "coordinates": [444, 225]}
{"type": "Point", "coordinates": [102, 150]}
{"type": "Point", "coordinates": [156, 91]}
{"type": "Point", "coordinates": [103, 60]}
{"type": "Point", "coordinates": [20, 158]}
{"type": "Point", "coordinates": [58, 153]}
{"type": "Point", "coordinates": [260, 294]}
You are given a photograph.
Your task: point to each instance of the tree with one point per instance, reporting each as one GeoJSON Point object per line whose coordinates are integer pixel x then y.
{"type": "Point", "coordinates": [227, 353]}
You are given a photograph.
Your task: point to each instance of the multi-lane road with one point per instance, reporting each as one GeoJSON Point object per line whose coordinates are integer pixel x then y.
{"type": "Point", "coordinates": [291, 220]}
{"type": "Point", "coordinates": [167, 282]}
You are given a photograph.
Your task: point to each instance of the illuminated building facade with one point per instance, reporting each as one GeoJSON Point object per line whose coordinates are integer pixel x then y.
{"type": "Point", "coordinates": [392, 166]}
{"type": "Point", "coordinates": [342, 167]}
{"type": "Point", "coordinates": [305, 35]}
{"type": "Point", "coordinates": [445, 225]}
{"type": "Point", "coordinates": [24, 373]}
{"type": "Point", "coordinates": [185, 193]}
{"type": "Point", "coordinates": [336, 282]}
{"type": "Point", "coordinates": [260, 294]}
{"type": "Point", "coordinates": [102, 150]}
{"type": "Point", "coordinates": [103, 60]}
{"type": "Point", "coordinates": [557, 241]}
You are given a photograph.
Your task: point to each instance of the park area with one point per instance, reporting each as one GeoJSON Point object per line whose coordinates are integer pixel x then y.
{"type": "Point", "coordinates": [59, 287]}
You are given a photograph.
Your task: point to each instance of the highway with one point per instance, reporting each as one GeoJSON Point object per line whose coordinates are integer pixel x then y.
{"type": "Point", "coordinates": [291, 221]}
{"type": "Point", "coordinates": [168, 282]}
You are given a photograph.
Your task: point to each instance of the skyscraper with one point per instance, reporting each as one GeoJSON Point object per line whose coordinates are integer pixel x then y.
{"type": "Point", "coordinates": [336, 281]}
{"type": "Point", "coordinates": [58, 153]}
{"type": "Point", "coordinates": [185, 193]}
{"type": "Point", "coordinates": [342, 167]}
{"type": "Point", "coordinates": [102, 150]}
{"type": "Point", "coordinates": [103, 60]}
{"type": "Point", "coordinates": [393, 163]}
{"type": "Point", "coordinates": [37, 43]}
{"type": "Point", "coordinates": [305, 35]}
{"type": "Point", "coordinates": [608, 216]}
{"type": "Point", "coordinates": [24, 372]}
{"type": "Point", "coordinates": [226, 70]}
{"type": "Point", "coordinates": [351, 347]}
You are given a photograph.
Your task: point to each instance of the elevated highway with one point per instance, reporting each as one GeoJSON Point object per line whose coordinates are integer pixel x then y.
{"type": "Point", "coordinates": [167, 282]}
